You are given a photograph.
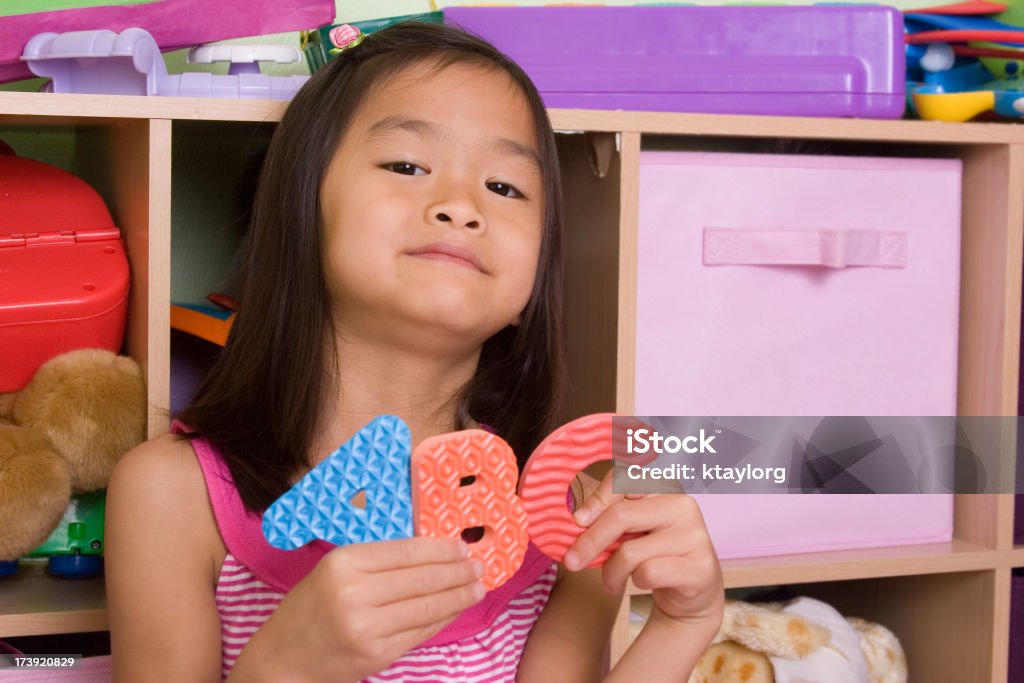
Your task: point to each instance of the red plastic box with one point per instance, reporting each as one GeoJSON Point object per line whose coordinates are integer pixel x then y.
{"type": "Point", "coordinates": [63, 270]}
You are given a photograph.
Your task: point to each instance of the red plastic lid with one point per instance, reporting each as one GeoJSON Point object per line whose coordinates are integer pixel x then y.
{"type": "Point", "coordinates": [61, 256]}
{"type": "Point", "coordinates": [63, 272]}
{"type": "Point", "coordinates": [37, 198]}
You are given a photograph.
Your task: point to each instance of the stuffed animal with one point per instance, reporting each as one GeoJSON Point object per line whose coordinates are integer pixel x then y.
{"type": "Point", "coordinates": [62, 435]}
{"type": "Point", "coordinates": [801, 641]}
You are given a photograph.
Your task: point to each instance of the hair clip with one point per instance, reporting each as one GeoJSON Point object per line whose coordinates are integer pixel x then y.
{"type": "Point", "coordinates": [345, 37]}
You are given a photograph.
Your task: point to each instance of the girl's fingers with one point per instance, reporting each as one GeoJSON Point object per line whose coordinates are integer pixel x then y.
{"type": "Point", "coordinates": [632, 516]}
{"type": "Point", "coordinates": [601, 499]}
{"type": "Point", "coordinates": [382, 556]}
{"type": "Point", "coordinates": [623, 563]}
{"type": "Point", "coordinates": [410, 582]}
{"type": "Point", "coordinates": [598, 501]}
{"type": "Point", "coordinates": [407, 640]}
{"type": "Point", "coordinates": [688, 574]}
{"type": "Point", "coordinates": [426, 610]}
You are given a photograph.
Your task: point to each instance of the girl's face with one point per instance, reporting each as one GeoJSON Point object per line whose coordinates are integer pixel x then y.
{"type": "Point", "coordinates": [432, 207]}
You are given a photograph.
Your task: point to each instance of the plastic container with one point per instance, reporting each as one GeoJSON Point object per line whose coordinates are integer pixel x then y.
{"type": "Point", "coordinates": [821, 60]}
{"type": "Point", "coordinates": [129, 63]}
{"type": "Point", "coordinates": [63, 271]}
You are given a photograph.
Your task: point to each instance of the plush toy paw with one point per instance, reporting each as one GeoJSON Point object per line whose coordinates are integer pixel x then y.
{"type": "Point", "coordinates": [34, 490]}
{"type": "Point", "coordinates": [766, 628]}
{"type": "Point", "coordinates": [886, 661]}
{"type": "Point", "coordinates": [727, 662]}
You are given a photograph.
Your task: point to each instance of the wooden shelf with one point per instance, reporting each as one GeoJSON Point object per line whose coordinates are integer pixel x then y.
{"type": "Point", "coordinates": [18, 107]}
{"type": "Point", "coordinates": [1016, 557]}
{"type": "Point", "coordinates": [866, 563]}
{"type": "Point", "coordinates": [33, 603]}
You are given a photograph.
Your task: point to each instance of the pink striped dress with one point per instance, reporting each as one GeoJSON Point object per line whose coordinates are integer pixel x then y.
{"type": "Point", "coordinates": [483, 644]}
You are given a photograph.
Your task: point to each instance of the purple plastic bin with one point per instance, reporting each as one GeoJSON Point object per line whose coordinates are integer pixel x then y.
{"type": "Point", "coordinates": [1018, 519]}
{"type": "Point", "coordinates": [1017, 626]}
{"type": "Point", "coordinates": [822, 60]}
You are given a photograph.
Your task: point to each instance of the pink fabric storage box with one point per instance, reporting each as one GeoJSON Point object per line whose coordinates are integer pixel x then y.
{"type": "Point", "coordinates": [801, 285]}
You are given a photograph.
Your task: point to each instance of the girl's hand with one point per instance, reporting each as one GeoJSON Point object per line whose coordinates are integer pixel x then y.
{"type": "Point", "coordinates": [674, 558]}
{"type": "Point", "coordinates": [365, 605]}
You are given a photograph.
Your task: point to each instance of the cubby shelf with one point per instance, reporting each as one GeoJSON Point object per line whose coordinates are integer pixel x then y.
{"type": "Point", "coordinates": [33, 603]}
{"type": "Point", "coordinates": [867, 563]}
{"type": "Point", "coordinates": [948, 603]}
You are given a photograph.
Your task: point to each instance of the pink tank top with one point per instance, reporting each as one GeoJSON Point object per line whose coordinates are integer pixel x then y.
{"type": "Point", "coordinates": [484, 643]}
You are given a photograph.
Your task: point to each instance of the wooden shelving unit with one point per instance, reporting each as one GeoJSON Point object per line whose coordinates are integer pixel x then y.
{"type": "Point", "coordinates": [948, 603]}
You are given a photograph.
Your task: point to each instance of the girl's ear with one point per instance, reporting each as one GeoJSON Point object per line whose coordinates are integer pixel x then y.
{"type": "Point", "coordinates": [517, 321]}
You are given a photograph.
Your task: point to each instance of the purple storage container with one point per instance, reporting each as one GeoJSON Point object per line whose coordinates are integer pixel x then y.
{"type": "Point", "coordinates": [1018, 519]}
{"type": "Point", "coordinates": [1017, 626]}
{"type": "Point", "coordinates": [821, 60]}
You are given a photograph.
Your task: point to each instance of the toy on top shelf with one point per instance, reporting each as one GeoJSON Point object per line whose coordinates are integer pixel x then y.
{"type": "Point", "coordinates": [318, 44]}
{"type": "Point", "coordinates": [820, 60]}
{"type": "Point", "coordinates": [174, 24]}
{"type": "Point", "coordinates": [130, 63]}
{"type": "Point", "coordinates": [961, 65]}
{"type": "Point", "coordinates": [244, 59]}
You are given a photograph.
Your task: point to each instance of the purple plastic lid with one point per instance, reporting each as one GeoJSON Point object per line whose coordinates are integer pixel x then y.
{"type": "Point", "coordinates": [821, 59]}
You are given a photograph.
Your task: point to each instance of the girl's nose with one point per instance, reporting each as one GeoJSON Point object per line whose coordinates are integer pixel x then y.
{"type": "Point", "coordinates": [458, 212]}
{"type": "Point", "coordinates": [447, 218]}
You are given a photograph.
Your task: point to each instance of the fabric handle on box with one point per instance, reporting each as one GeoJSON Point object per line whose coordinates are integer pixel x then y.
{"type": "Point", "coordinates": [805, 247]}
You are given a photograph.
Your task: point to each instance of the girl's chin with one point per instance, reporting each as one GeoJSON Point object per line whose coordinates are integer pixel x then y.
{"type": "Point", "coordinates": [468, 320]}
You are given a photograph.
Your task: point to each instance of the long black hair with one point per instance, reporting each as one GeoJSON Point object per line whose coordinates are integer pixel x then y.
{"type": "Point", "coordinates": [260, 405]}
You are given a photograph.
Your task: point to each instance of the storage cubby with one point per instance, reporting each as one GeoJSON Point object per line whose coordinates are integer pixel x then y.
{"type": "Point", "coordinates": [957, 592]}
{"type": "Point", "coordinates": [214, 171]}
{"type": "Point", "coordinates": [113, 156]}
{"type": "Point", "coordinates": [163, 162]}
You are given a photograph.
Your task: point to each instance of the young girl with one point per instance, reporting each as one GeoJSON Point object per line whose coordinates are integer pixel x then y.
{"type": "Point", "coordinates": [404, 259]}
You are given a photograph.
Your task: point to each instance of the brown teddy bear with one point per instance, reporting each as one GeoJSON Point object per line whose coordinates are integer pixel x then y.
{"type": "Point", "coordinates": [62, 435]}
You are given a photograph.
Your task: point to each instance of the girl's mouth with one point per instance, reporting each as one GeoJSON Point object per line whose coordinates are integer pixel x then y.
{"type": "Point", "coordinates": [442, 251]}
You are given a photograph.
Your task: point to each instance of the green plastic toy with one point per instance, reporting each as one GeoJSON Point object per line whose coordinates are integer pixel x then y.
{"type": "Point", "coordinates": [75, 547]}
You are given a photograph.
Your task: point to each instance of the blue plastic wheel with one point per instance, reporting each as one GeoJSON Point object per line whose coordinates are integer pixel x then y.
{"type": "Point", "coordinates": [8, 567]}
{"type": "Point", "coordinates": [75, 566]}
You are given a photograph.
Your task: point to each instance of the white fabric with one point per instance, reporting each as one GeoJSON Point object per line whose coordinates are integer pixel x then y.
{"type": "Point", "coordinates": [839, 662]}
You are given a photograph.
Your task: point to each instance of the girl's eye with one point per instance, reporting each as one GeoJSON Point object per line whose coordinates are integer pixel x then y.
{"type": "Point", "coordinates": [405, 168]}
{"type": "Point", "coordinates": [505, 190]}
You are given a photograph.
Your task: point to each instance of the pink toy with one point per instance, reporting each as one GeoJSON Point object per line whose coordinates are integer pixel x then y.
{"type": "Point", "coordinates": [345, 36]}
{"type": "Point", "coordinates": [566, 452]}
{"type": "Point", "coordinates": [461, 484]}
{"type": "Point", "coordinates": [467, 480]}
